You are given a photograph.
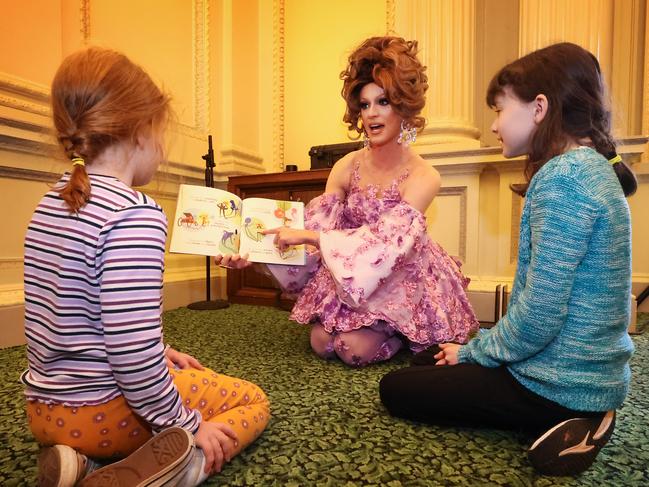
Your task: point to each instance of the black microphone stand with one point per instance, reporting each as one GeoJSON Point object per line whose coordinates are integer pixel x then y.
{"type": "Point", "coordinates": [209, 182]}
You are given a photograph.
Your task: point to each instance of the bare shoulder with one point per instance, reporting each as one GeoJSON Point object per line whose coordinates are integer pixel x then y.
{"type": "Point", "coordinates": [422, 185]}
{"type": "Point", "coordinates": [338, 180]}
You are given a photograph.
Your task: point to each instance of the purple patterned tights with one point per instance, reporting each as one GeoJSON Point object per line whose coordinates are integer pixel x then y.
{"type": "Point", "coordinates": [357, 347]}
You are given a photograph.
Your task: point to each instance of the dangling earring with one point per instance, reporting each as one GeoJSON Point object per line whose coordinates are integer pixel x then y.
{"type": "Point", "coordinates": [366, 140]}
{"type": "Point", "coordinates": [408, 135]}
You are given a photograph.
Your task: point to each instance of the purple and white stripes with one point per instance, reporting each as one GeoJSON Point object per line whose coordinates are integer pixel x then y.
{"type": "Point", "coordinates": [93, 296]}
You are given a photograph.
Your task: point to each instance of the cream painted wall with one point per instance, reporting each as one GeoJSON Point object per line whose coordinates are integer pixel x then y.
{"type": "Point", "coordinates": [40, 44]}
{"type": "Point", "coordinates": [320, 35]}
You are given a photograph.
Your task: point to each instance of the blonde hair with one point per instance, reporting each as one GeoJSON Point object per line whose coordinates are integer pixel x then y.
{"type": "Point", "coordinates": [99, 98]}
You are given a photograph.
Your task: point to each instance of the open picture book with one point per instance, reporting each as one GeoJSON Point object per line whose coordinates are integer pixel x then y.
{"type": "Point", "coordinates": [211, 221]}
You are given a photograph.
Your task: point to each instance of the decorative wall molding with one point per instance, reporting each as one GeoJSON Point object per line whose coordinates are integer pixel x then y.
{"type": "Point", "coordinates": [201, 81]}
{"type": "Point", "coordinates": [22, 87]}
{"type": "Point", "coordinates": [461, 192]}
{"type": "Point", "coordinates": [23, 95]}
{"type": "Point", "coordinates": [50, 177]}
{"type": "Point", "coordinates": [278, 83]}
{"type": "Point", "coordinates": [236, 161]}
{"type": "Point", "coordinates": [11, 295]}
{"type": "Point", "coordinates": [390, 17]}
{"type": "Point", "coordinates": [200, 52]}
{"type": "Point", "coordinates": [84, 17]}
{"type": "Point", "coordinates": [21, 144]}
{"type": "Point", "coordinates": [645, 89]}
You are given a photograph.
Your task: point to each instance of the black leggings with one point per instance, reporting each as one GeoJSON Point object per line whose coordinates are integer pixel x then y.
{"type": "Point", "coordinates": [470, 395]}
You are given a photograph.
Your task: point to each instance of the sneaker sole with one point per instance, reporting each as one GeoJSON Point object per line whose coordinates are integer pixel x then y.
{"type": "Point", "coordinates": [153, 464]}
{"type": "Point", "coordinates": [571, 447]}
{"type": "Point", "coordinates": [57, 467]}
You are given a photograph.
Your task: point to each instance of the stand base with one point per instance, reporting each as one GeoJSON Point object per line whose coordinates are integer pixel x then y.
{"type": "Point", "coordinates": [208, 305]}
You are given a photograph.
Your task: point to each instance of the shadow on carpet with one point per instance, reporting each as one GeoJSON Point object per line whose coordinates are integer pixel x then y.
{"type": "Point", "coordinates": [328, 426]}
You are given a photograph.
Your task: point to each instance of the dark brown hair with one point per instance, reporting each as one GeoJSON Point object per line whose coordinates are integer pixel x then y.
{"type": "Point", "coordinates": [391, 63]}
{"type": "Point", "coordinates": [99, 98]}
{"type": "Point", "coordinates": [571, 79]}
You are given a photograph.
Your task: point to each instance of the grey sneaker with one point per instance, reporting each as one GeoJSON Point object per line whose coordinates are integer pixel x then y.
{"type": "Point", "coordinates": [153, 464]}
{"type": "Point", "coordinates": [571, 447]}
{"type": "Point", "coordinates": [62, 466]}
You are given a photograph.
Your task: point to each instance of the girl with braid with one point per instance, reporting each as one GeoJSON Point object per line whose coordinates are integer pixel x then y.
{"type": "Point", "coordinates": [101, 384]}
{"type": "Point", "coordinates": [557, 364]}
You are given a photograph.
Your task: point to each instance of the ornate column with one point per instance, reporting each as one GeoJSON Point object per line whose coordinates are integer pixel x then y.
{"type": "Point", "coordinates": [445, 30]}
{"type": "Point", "coordinates": [236, 125]}
{"type": "Point", "coordinates": [645, 94]}
{"type": "Point", "coordinates": [588, 23]}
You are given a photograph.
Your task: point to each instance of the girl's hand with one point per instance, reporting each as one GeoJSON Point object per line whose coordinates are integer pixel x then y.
{"type": "Point", "coordinates": [181, 360]}
{"type": "Point", "coordinates": [448, 355]}
{"type": "Point", "coordinates": [285, 237]}
{"type": "Point", "coordinates": [232, 261]}
{"type": "Point", "coordinates": [217, 440]}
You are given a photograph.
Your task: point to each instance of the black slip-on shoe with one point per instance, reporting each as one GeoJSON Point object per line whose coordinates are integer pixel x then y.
{"type": "Point", "coordinates": [570, 447]}
{"type": "Point", "coordinates": [426, 357]}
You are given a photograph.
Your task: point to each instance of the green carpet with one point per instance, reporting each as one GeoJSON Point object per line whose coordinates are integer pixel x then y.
{"type": "Point", "coordinates": [328, 425]}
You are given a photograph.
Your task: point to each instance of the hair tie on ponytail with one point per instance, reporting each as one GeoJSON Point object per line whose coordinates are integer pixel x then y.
{"type": "Point", "coordinates": [615, 159]}
{"type": "Point", "coordinates": [78, 161]}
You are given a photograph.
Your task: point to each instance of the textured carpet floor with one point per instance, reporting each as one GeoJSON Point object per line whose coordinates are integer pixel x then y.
{"type": "Point", "coordinates": [328, 425]}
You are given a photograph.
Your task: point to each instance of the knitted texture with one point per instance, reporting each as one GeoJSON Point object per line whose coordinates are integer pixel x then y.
{"type": "Point", "coordinates": [564, 335]}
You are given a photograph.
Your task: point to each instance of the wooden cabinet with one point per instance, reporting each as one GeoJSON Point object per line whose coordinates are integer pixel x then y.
{"type": "Point", "coordinates": [250, 286]}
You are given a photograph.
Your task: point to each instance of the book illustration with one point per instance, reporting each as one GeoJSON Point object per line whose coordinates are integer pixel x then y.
{"type": "Point", "coordinates": [193, 219]}
{"type": "Point", "coordinates": [285, 213]}
{"type": "Point", "coordinates": [229, 242]}
{"type": "Point", "coordinates": [229, 208]}
{"type": "Point", "coordinates": [254, 228]}
{"type": "Point", "coordinates": [211, 221]}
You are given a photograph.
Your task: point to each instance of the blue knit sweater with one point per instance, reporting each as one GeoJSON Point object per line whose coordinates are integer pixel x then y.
{"type": "Point", "coordinates": [564, 335]}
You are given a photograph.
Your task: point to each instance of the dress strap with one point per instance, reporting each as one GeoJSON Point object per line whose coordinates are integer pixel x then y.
{"type": "Point", "coordinates": [355, 177]}
{"type": "Point", "coordinates": [402, 177]}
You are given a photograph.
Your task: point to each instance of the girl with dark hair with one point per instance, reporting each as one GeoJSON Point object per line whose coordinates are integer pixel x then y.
{"type": "Point", "coordinates": [374, 279]}
{"type": "Point", "coordinates": [101, 384]}
{"type": "Point", "coordinates": [557, 364]}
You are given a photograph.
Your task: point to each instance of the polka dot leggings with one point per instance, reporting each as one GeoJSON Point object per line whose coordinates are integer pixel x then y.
{"type": "Point", "coordinates": [112, 430]}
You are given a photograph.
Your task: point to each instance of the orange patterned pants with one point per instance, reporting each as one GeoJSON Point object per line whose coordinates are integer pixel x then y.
{"type": "Point", "coordinates": [112, 430]}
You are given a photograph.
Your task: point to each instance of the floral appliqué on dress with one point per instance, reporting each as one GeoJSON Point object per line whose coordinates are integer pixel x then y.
{"type": "Point", "coordinates": [377, 267]}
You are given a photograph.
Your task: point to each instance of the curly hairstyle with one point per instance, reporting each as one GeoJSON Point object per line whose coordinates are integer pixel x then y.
{"type": "Point", "coordinates": [99, 98]}
{"type": "Point", "coordinates": [391, 63]}
{"type": "Point", "coordinates": [571, 79]}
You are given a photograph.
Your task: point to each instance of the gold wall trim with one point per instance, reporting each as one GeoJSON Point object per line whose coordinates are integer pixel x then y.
{"type": "Point", "coordinates": [278, 82]}
{"type": "Point", "coordinates": [34, 175]}
{"type": "Point", "coordinates": [390, 17]}
{"type": "Point", "coordinates": [24, 95]}
{"type": "Point", "coordinates": [28, 174]}
{"type": "Point", "coordinates": [22, 87]}
{"type": "Point", "coordinates": [460, 191]}
{"type": "Point", "coordinates": [84, 17]}
{"type": "Point", "coordinates": [24, 105]}
{"type": "Point", "coordinates": [21, 144]}
{"type": "Point", "coordinates": [201, 82]}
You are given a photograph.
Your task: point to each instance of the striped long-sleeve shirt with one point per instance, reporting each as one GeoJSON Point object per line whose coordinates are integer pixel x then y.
{"type": "Point", "coordinates": [93, 295]}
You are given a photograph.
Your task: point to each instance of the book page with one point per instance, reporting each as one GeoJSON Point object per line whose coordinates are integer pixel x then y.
{"type": "Point", "coordinates": [263, 214]}
{"type": "Point", "coordinates": [207, 221]}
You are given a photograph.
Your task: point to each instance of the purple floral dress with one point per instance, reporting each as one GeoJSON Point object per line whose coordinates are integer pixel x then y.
{"type": "Point", "coordinates": [377, 267]}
